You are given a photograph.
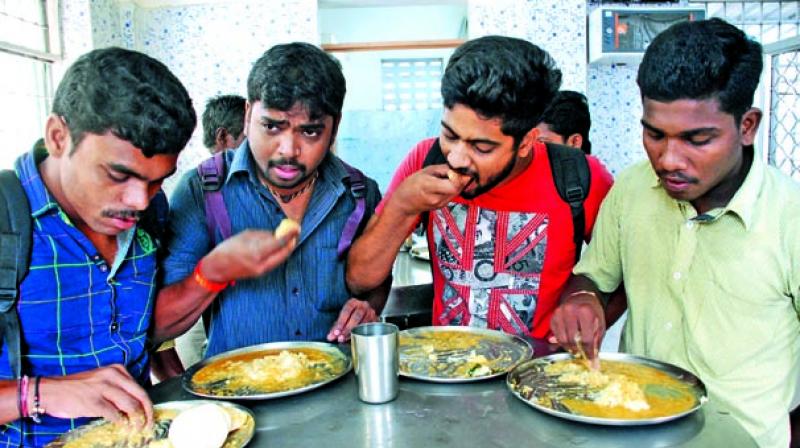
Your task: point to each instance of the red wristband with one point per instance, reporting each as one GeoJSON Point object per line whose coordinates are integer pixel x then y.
{"type": "Point", "coordinates": [209, 285]}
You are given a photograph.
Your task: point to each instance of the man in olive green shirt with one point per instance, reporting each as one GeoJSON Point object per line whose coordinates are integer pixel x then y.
{"type": "Point", "coordinates": [705, 236]}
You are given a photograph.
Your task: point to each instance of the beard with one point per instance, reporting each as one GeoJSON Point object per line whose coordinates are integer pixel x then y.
{"type": "Point", "coordinates": [303, 177]}
{"type": "Point", "coordinates": [493, 181]}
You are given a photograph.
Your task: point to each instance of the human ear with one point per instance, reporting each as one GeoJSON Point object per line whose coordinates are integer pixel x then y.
{"type": "Point", "coordinates": [748, 126]}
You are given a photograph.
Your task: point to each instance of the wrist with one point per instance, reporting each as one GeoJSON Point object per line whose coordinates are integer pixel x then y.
{"type": "Point", "coordinates": [210, 285]}
{"type": "Point", "coordinates": [584, 295]}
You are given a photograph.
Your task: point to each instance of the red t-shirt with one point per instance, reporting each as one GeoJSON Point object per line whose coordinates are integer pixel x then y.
{"type": "Point", "coordinates": [501, 260]}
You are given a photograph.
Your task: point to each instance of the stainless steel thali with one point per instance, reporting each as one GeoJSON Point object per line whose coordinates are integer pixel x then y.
{"type": "Point", "coordinates": [541, 386]}
{"type": "Point", "coordinates": [236, 439]}
{"type": "Point", "coordinates": [424, 357]}
{"type": "Point", "coordinates": [339, 364]}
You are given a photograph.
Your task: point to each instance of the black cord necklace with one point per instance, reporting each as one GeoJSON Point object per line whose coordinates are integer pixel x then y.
{"type": "Point", "coordinates": [286, 198]}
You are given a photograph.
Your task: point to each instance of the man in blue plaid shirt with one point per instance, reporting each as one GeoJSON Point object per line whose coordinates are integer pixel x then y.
{"type": "Point", "coordinates": [119, 120]}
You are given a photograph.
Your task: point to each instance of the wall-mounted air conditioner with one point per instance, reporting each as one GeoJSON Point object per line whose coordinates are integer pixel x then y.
{"type": "Point", "coordinates": [621, 35]}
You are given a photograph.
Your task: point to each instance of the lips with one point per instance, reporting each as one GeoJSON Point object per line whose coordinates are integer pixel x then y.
{"type": "Point", "coordinates": [124, 223]}
{"type": "Point", "coordinates": [286, 171]}
{"type": "Point", "coordinates": [675, 184]}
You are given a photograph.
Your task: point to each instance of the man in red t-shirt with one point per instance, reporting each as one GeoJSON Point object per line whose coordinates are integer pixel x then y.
{"type": "Point", "coordinates": [499, 235]}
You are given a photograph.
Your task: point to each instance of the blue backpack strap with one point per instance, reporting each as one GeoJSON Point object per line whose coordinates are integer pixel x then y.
{"type": "Point", "coordinates": [15, 247]}
{"type": "Point", "coordinates": [358, 188]}
{"type": "Point", "coordinates": [212, 176]}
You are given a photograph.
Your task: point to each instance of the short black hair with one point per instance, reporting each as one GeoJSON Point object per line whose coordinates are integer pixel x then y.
{"type": "Point", "coordinates": [130, 94]}
{"type": "Point", "coordinates": [223, 111]}
{"type": "Point", "coordinates": [568, 114]}
{"type": "Point", "coordinates": [298, 72]}
{"type": "Point", "coordinates": [702, 60]}
{"type": "Point", "coordinates": [502, 77]}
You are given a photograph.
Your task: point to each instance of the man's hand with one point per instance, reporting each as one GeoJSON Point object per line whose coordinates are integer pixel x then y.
{"type": "Point", "coordinates": [428, 189]}
{"type": "Point", "coordinates": [108, 392]}
{"type": "Point", "coordinates": [579, 320]}
{"type": "Point", "coordinates": [354, 312]}
{"type": "Point", "coordinates": [248, 254]}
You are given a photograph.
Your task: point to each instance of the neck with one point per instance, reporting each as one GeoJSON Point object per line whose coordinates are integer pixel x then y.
{"type": "Point", "coordinates": [285, 196]}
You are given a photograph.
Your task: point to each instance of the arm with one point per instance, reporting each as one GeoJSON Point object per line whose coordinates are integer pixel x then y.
{"type": "Point", "coordinates": [108, 392]}
{"type": "Point", "coordinates": [580, 314]}
{"type": "Point", "coordinates": [247, 254]}
{"type": "Point", "coordinates": [358, 311]}
{"type": "Point", "coordinates": [372, 255]}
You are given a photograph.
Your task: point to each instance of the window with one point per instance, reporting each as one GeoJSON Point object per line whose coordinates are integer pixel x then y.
{"type": "Point", "coordinates": [766, 21]}
{"type": "Point", "coordinates": [29, 44]}
{"type": "Point", "coordinates": [411, 84]}
{"type": "Point", "coordinates": [784, 121]}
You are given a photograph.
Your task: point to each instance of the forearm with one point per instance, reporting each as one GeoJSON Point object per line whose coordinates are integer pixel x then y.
{"type": "Point", "coordinates": [178, 307]}
{"type": "Point", "coordinates": [616, 306]}
{"type": "Point", "coordinates": [372, 255]}
{"type": "Point", "coordinates": [377, 297]}
{"type": "Point", "coordinates": [9, 409]}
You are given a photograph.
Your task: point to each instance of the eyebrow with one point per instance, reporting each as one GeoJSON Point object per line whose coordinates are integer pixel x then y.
{"type": "Point", "coordinates": [315, 125]}
{"type": "Point", "coordinates": [471, 141]}
{"type": "Point", "coordinates": [685, 134]}
{"type": "Point", "coordinates": [122, 169]}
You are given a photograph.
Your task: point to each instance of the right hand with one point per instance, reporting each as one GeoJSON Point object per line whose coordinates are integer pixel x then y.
{"type": "Point", "coordinates": [248, 254]}
{"type": "Point", "coordinates": [579, 319]}
{"type": "Point", "coordinates": [108, 392]}
{"type": "Point", "coordinates": [427, 189]}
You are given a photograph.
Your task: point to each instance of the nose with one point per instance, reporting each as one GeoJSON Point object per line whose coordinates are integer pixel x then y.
{"type": "Point", "coordinates": [288, 147]}
{"type": "Point", "coordinates": [458, 156]}
{"type": "Point", "coordinates": [672, 157]}
{"type": "Point", "coordinates": [137, 196]}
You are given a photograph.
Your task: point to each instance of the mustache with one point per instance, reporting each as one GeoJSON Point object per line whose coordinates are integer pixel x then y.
{"type": "Point", "coordinates": [677, 175]}
{"type": "Point", "coordinates": [285, 162]}
{"type": "Point", "coordinates": [123, 214]}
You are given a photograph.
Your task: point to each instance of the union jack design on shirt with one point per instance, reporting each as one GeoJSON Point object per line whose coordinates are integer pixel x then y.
{"type": "Point", "coordinates": [492, 264]}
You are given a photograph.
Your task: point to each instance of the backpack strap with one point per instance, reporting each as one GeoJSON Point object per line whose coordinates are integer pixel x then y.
{"type": "Point", "coordinates": [155, 218]}
{"type": "Point", "coordinates": [15, 247]}
{"type": "Point", "coordinates": [358, 188]}
{"type": "Point", "coordinates": [572, 179]}
{"type": "Point", "coordinates": [212, 176]}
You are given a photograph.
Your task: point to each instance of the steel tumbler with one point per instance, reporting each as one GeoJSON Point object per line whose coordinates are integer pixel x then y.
{"type": "Point", "coordinates": [376, 361]}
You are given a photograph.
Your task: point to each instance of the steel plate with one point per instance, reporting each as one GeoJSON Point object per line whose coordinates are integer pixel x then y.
{"type": "Point", "coordinates": [532, 374]}
{"type": "Point", "coordinates": [341, 365]}
{"type": "Point", "coordinates": [420, 252]}
{"type": "Point", "coordinates": [502, 350]}
{"type": "Point", "coordinates": [236, 439]}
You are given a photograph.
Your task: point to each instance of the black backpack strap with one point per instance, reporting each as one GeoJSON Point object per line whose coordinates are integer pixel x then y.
{"type": "Point", "coordinates": [15, 247]}
{"type": "Point", "coordinates": [155, 217]}
{"type": "Point", "coordinates": [358, 188]}
{"type": "Point", "coordinates": [435, 156]}
{"type": "Point", "coordinates": [572, 179]}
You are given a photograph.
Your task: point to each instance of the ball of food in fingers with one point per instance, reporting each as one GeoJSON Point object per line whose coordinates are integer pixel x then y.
{"type": "Point", "coordinates": [453, 176]}
{"type": "Point", "coordinates": [286, 227]}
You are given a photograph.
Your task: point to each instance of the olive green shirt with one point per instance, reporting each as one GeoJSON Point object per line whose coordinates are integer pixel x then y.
{"type": "Point", "coordinates": [717, 294]}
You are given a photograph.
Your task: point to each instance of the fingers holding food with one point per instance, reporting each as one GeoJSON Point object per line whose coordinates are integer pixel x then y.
{"type": "Point", "coordinates": [288, 228]}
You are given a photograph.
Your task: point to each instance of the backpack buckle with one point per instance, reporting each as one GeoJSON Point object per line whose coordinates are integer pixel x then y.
{"type": "Point", "coordinates": [358, 189]}
{"type": "Point", "coordinates": [574, 194]}
{"type": "Point", "coordinates": [210, 181]}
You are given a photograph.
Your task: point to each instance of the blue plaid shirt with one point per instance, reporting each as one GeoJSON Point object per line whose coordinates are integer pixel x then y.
{"type": "Point", "coordinates": [298, 300]}
{"type": "Point", "coordinates": [76, 311]}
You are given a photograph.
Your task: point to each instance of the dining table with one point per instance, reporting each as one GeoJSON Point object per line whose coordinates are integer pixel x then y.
{"type": "Point", "coordinates": [473, 414]}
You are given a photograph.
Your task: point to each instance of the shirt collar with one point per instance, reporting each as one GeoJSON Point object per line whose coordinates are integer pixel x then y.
{"type": "Point", "coordinates": [27, 170]}
{"type": "Point", "coordinates": [743, 201]}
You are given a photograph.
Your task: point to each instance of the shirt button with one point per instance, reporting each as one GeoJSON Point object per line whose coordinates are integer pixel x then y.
{"type": "Point", "coordinates": [689, 224]}
{"type": "Point", "coordinates": [297, 333]}
{"type": "Point", "coordinates": [668, 326]}
{"type": "Point", "coordinates": [295, 291]}
{"type": "Point", "coordinates": [103, 267]}
{"type": "Point", "coordinates": [96, 258]}
{"type": "Point", "coordinates": [114, 326]}
{"type": "Point", "coordinates": [676, 275]}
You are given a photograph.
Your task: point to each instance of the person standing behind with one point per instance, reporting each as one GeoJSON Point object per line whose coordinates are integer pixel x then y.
{"type": "Point", "coordinates": [499, 235]}
{"type": "Point", "coordinates": [284, 169]}
{"type": "Point", "coordinates": [566, 121]}
{"type": "Point", "coordinates": [223, 123]}
{"type": "Point", "coordinates": [85, 305]}
{"type": "Point", "coordinates": [704, 235]}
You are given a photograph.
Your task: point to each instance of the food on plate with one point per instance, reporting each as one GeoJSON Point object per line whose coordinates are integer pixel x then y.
{"type": "Point", "coordinates": [204, 426]}
{"type": "Point", "coordinates": [267, 371]}
{"type": "Point", "coordinates": [285, 227]}
{"type": "Point", "coordinates": [618, 390]}
{"type": "Point", "coordinates": [177, 425]}
{"type": "Point", "coordinates": [457, 354]}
